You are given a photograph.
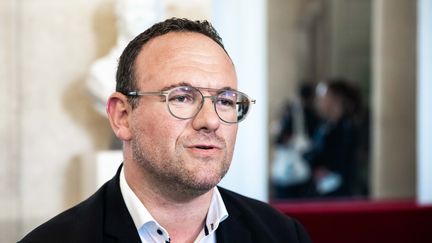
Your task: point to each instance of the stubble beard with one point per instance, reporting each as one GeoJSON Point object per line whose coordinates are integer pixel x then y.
{"type": "Point", "coordinates": [171, 176]}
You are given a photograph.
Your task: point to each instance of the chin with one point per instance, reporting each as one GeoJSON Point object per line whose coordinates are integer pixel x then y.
{"type": "Point", "coordinates": [203, 185]}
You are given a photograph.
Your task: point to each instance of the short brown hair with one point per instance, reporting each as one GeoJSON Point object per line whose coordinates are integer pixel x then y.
{"type": "Point", "coordinates": [125, 77]}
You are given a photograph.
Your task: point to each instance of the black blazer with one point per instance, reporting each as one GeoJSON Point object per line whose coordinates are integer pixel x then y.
{"type": "Point", "coordinates": [104, 218]}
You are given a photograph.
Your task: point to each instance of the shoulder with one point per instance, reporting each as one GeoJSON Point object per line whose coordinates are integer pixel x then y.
{"type": "Point", "coordinates": [80, 223]}
{"type": "Point", "coordinates": [263, 220]}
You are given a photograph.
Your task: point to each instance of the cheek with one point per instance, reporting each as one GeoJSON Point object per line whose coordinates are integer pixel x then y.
{"type": "Point", "coordinates": [155, 128]}
{"type": "Point", "coordinates": [230, 136]}
{"type": "Point", "coordinates": [161, 133]}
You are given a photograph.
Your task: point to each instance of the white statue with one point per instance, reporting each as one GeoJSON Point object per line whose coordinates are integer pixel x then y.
{"type": "Point", "coordinates": [133, 17]}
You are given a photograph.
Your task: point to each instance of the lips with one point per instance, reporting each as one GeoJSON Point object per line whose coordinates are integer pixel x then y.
{"type": "Point", "coordinates": [204, 150]}
{"type": "Point", "coordinates": [205, 147]}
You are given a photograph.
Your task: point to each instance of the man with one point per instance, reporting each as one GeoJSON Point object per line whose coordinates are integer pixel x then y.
{"type": "Point", "coordinates": [176, 110]}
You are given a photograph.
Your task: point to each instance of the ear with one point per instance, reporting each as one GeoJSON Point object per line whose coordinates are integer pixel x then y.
{"type": "Point", "coordinates": [119, 111]}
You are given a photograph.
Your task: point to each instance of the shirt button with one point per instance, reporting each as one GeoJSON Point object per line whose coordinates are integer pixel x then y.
{"type": "Point", "coordinates": [159, 231]}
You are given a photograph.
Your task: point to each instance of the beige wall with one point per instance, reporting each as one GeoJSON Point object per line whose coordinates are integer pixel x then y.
{"type": "Point", "coordinates": [283, 37]}
{"type": "Point", "coordinates": [50, 123]}
{"type": "Point", "coordinates": [9, 141]}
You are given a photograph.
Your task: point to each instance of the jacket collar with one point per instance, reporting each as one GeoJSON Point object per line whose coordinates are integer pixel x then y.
{"type": "Point", "coordinates": [231, 230]}
{"type": "Point", "coordinates": [119, 226]}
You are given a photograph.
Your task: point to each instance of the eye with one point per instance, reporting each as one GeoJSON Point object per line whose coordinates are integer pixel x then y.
{"type": "Point", "coordinates": [224, 102]}
{"type": "Point", "coordinates": [227, 99]}
{"type": "Point", "coordinates": [181, 99]}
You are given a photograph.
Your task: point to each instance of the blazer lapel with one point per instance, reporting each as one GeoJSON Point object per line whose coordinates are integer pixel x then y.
{"type": "Point", "coordinates": [233, 229]}
{"type": "Point", "coordinates": [119, 226]}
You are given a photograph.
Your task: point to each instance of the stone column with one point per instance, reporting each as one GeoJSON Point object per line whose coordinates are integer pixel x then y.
{"type": "Point", "coordinates": [394, 99]}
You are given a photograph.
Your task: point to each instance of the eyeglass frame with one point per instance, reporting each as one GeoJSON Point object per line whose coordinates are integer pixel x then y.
{"type": "Point", "coordinates": [211, 97]}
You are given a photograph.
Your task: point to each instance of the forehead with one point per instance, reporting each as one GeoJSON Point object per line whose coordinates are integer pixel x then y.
{"type": "Point", "coordinates": [181, 57]}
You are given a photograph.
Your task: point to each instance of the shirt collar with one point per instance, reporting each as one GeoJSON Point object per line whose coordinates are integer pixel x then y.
{"type": "Point", "coordinates": [217, 212]}
{"type": "Point", "coordinates": [140, 215]}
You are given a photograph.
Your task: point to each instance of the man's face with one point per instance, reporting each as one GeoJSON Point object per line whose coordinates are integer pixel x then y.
{"type": "Point", "coordinates": [189, 155]}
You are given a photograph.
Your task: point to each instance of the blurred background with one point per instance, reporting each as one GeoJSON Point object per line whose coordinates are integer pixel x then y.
{"type": "Point", "coordinates": [340, 86]}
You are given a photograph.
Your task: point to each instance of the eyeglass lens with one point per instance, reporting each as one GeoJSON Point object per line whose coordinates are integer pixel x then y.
{"type": "Point", "coordinates": [185, 102]}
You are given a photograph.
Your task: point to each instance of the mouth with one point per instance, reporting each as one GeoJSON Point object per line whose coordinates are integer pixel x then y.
{"type": "Point", "coordinates": [205, 147]}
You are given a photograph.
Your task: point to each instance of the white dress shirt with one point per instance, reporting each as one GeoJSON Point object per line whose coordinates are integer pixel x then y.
{"type": "Point", "coordinates": [151, 231]}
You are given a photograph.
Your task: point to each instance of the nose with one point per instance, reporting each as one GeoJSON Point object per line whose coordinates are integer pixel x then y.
{"type": "Point", "coordinates": [206, 119]}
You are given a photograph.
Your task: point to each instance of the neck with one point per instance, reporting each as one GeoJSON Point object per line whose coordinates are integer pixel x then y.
{"type": "Point", "coordinates": [183, 217]}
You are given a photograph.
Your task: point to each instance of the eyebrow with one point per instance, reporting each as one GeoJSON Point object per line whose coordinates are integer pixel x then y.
{"type": "Point", "coordinates": [188, 84]}
{"type": "Point", "coordinates": [176, 85]}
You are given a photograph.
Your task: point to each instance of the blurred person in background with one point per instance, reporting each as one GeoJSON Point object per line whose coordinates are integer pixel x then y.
{"type": "Point", "coordinates": [334, 152]}
{"type": "Point", "coordinates": [290, 172]}
{"type": "Point", "coordinates": [306, 100]}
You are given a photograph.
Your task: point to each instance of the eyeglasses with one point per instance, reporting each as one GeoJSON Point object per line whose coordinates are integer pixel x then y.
{"type": "Point", "coordinates": [184, 102]}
